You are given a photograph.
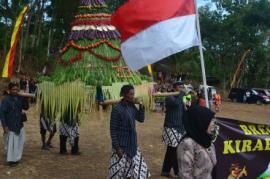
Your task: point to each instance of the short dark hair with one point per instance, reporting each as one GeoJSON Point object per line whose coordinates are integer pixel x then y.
{"type": "Point", "coordinates": [177, 83]}
{"type": "Point", "coordinates": [12, 84]}
{"type": "Point", "coordinates": [125, 89]}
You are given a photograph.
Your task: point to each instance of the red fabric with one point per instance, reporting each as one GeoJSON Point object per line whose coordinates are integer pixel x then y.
{"type": "Point", "coordinates": [13, 52]}
{"type": "Point", "coordinates": [13, 48]}
{"type": "Point", "coordinates": [137, 15]}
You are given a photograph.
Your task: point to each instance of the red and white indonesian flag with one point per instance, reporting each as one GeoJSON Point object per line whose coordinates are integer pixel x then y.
{"type": "Point", "coordinates": [154, 29]}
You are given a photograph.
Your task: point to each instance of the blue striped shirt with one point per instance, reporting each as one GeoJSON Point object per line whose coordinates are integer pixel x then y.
{"type": "Point", "coordinates": [174, 112]}
{"type": "Point", "coordinates": [123, 127]}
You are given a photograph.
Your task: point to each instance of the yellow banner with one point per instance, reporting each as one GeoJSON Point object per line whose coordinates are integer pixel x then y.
{"type": "Point", "coordinates": [7, 71]}
{"type": "Point", "coordinates": [149, 67]}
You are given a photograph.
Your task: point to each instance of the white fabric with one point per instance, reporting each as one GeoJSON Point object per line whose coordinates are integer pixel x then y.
{"type": "Point", "coordinates": [14, 145]}
{"type": "Point", "coordinates": [160, 41]}
{"type": "Point", "coordinates": [5, 143]}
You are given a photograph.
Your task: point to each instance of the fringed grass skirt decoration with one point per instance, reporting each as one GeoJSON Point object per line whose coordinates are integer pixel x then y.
{"type": "Point", "coordinates": [126, 167]}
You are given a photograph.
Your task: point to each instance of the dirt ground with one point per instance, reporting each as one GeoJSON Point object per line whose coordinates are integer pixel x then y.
{"type": "Point", "coordinates": [96, 149]}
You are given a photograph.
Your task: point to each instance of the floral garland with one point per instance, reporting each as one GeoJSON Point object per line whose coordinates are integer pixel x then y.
{"type": "Point", "coordinates": [71, 60]}
{"type": "Point", "coordinates": [92, 22]}
{"type": "Point", "coordinates": [79, 57]}
{"type": "Point", "coordinates": [90, 2]}
{"type": "Point", "coordinates": [108, 59]}
{"type": "Point", "coordinates": [71, 43]}
{"type": "Point", "coordinates": [93, 15]}
{"type": "Point", "coordinates": [93, 6]}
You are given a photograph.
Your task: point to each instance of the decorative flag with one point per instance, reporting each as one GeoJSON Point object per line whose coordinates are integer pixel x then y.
{"type": "Point", "coordinates": [154, 29]}
{"type": "Point", "coordinates": [149, 67]}
{"type": "Point", "coordinates": [8, 67]}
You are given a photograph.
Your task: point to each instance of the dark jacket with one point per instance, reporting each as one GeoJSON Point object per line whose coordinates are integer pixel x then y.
{"type": "Point", "coordinates": [32, 87]}
{"type": "Point", "coordinates": [174, 112]}
{"type": "Point", "coordinates": [123, 127]}
{"type": "Point", "coordinates": [11, 112]}
{"type": "Point", "coordinates": [23, 84]}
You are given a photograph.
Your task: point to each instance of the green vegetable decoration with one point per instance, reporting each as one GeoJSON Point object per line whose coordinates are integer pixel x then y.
{"type": "Point", "coordinates": [90, 58]}
{"type": "Point", "coordinates": [266, 174]}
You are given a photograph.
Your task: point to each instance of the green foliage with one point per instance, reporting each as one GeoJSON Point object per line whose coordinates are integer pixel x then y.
{"type": "Point", "coordinates": [228, 30]}
{"type": "Point", "coordinates": [114, 4]}
{"type": "Point", "coordinates": [58, 99]}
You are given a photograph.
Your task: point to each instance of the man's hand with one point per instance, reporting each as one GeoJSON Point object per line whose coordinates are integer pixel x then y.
{"type": "Point", "coordinates": [6, 130]}
{"type": "Point", "coordinates": [137, 101]}
{"type": "Point", "coordinates": [120, 152]}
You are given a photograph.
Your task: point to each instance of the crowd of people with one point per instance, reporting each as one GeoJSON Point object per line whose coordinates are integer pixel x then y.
{"type": "Point", "coordinates": [188, 133]}
{"type": "Point", "coordinates": [28, 84]}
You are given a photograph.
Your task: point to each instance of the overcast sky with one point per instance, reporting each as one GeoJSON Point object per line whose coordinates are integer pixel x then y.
{"type": "Point", "coordinates": [202, 2]}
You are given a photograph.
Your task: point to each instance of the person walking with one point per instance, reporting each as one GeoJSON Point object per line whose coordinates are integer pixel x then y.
{"type": "Point", "coordinates": [46, 125]}
{"type": "Point", "coordinates": [126, 160]}
{"type": "Point", "coordinates": [69, 129]}
{"type": "Point", "coordinates": [12, 118]}
{"type": "Point", "coordinates": [173, 128]}
{"type": "Point", "coordinates": [196, 153]}
{"type": "Point", "coordinates": [217, 102]}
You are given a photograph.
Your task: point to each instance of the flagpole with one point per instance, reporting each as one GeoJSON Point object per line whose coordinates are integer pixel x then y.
{"type": "Point", "coordinates": [201, 55]}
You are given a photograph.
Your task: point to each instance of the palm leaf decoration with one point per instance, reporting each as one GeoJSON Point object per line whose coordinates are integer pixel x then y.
{"type": "Point", "coordinates": [90, 58]}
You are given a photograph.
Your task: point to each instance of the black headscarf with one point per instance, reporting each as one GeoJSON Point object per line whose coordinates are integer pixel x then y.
{"type": "Point", "coordinates": [196, 122]}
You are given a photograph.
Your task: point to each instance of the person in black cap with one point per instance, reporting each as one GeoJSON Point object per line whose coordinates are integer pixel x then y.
{"type": "Point", "coordinates": [173, 128]}
{"type": "Point", "coordinates": [11, 116]}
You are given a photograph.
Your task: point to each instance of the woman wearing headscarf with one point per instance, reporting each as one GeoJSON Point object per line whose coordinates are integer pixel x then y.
{"type": "Point", "coordinates": [196, 153]}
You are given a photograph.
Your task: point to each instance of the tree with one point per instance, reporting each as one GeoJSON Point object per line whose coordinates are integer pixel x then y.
{"type": "Point", "coordinates": [229, 31]}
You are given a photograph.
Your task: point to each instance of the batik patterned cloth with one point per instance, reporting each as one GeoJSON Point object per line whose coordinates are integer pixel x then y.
{"type": "Point", "coordinates": [69, 131]}
{"type": "Point", "coordinates": [171, 137]}
{"type": "Point", "coordinates": [128, 168]}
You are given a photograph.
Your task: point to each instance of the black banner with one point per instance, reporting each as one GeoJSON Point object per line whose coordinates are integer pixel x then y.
{"type": "Point", "coordinates": [243, 150]}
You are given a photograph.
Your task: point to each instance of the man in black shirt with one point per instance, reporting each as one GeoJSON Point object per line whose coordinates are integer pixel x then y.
{"type": "Point", "coordinates": [173, 128]}
{"type": "Point", "coordinates": [11, 116]}
{"type": "Point", "coordinates": [126, 161]}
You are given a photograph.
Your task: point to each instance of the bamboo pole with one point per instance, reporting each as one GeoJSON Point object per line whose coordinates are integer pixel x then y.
{"type": "Point", "coordinates": [111, 102]}
{"type": "Point", "coordinates": [165, 94]}
{"type": "Point", "coordinates": [28, 95]}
